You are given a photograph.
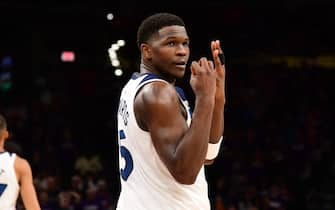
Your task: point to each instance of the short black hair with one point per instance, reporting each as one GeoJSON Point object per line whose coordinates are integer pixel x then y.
{"type": "Point", "coordinates": [154, 23]}
{"type": "Point", "coordinates": [3, 124]}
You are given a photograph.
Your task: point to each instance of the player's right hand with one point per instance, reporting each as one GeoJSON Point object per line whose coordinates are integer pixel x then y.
{"type": "Point", "coordinates": [203, 78]}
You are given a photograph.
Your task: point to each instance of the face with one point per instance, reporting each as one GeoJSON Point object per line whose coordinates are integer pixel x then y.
{"type": "Point", "coordinates": [169, 52]}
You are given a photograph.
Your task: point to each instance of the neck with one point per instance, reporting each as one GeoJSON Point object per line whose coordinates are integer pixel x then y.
{"type": "Point", "coordinates": [2, 143]}
{"type": "Point", "coordinates": [147, 68]}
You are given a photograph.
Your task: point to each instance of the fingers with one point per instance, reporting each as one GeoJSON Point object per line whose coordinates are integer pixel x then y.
{"type": "Point", "coordinates": [217, 53]}
{"type": "Point", "coordinates": [204, 63]}
{"type": "Point", "coordinates": [202, 66]}
{"type": "Point", "coordinates": [194, 67]}
{"type": "Point", "coordinates": [216, 46]}
{"type": "Point", "coordinates": [211, 64]}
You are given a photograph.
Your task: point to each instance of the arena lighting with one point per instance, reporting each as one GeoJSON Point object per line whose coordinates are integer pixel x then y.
{"type": "Point", "coordinates": [118, 72]}
{"type": "Point", "coordinates": [112, 54]}
{"type": "Point", "coordinates": [110, 16]}
{"type": "Point", "coordinates": [115, 62]}
{"type": "Point", "coordinates": [5, 81]}
{"type": "Point", "coordinates": [7, 61]}
{"type": "Point", "coordinates": [115, 47]}
{"type": "Point", "coordinates": [5, 73]}
{"type": "Point", "coordinates": [121, 42]}
{"type": "Point", "coordinates": [68, 56]}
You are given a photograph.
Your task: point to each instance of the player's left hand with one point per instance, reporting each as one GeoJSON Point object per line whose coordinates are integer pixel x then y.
{"type": "Point", "coordinates": [219, 69]}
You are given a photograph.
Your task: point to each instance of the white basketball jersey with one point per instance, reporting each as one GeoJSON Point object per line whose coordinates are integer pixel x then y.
{"type": "Point", "coordinates": [9, 187]}
{"type": "Point", "coordinates": [146, 183]}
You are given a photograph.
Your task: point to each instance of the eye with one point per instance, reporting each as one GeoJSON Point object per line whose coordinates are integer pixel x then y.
{"type": "Point", "coordinates": [171, 43]}
{"type": "Point", "coordinates": [186, 44]}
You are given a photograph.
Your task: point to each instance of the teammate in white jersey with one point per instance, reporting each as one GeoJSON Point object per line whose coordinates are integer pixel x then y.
{"type": "Point", "coordinates": [15, 177]}
{"type": "Point", "coordinates": [163, 144]}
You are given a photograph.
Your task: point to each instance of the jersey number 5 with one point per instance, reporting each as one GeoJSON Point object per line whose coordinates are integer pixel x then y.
{"type": "Point", "coordinates": [2, 188]}
{"type": "Point", "coordinates": [126, 155]}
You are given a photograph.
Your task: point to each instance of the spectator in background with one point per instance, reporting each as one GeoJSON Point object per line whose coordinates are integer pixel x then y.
{"type": "Point", "coordinates": [88, 163]}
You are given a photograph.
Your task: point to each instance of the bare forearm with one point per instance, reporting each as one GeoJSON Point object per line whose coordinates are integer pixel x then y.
{"type": "Point", "coordinates": [217, 125]}
{"type": "Point", "coordinates": [29, 197]}
{"type": "Point", "coordinates": [191, 150]}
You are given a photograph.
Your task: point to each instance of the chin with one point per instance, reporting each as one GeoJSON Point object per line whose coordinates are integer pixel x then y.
{"type": "Point", "coordinates": [180, 75]}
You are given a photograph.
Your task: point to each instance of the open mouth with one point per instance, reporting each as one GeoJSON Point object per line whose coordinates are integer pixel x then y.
{"type": "Point", "coordinates": [181, 64]}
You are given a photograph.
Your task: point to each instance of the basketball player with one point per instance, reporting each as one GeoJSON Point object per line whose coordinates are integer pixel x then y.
{"type": "Point", "coordinates": [15, 177]}
{"type": "Point", "coordinates": [163, 144]}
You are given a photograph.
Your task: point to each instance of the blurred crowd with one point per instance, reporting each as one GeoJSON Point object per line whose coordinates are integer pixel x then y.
{"type": "Point", "coordinates": [279, 141]}
{"type": "Point", "coordinates": [279, 119]}
{"type": "Point", "coordinates": [277, 153]}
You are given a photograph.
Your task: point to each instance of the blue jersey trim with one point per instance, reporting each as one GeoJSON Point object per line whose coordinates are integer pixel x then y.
{"type": "Point", "coordinates": [181, 93]}
{"type": "Point", "coordinates": [149, 77]}
{"type": "Point", "coordinates": [122, 135]}
{"type": "Point", "coordinates": [134, 76]}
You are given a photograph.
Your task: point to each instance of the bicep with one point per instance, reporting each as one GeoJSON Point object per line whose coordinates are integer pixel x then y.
{"type": "Point", "coordinates": [167, 128]}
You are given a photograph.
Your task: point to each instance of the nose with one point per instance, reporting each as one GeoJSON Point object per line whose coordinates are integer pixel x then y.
{"type": "Point", "coordinates": [182, 50]}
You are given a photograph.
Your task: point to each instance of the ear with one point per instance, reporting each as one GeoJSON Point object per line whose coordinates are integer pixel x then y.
{"type": "Point", "coordinates": [146, 51]}
{"type": "Point", "coordinates": [5, 134]}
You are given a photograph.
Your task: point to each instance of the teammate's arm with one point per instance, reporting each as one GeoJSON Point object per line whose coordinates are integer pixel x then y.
{"type": "Point", "coordinates": [27, 189]}
{"type": "Point", "coordinates": [157, 109]}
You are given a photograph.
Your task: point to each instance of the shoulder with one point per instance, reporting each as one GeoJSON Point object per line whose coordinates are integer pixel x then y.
{"type": "Point", "coordinates": [157, 92]}
{"type": "Point", "coordinates": [155, 101]}
{"type": "Point", "coordinates": [21, 166]}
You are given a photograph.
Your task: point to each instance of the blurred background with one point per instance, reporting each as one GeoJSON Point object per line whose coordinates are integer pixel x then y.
{"type": "Point", "coordinates": [63, 63]}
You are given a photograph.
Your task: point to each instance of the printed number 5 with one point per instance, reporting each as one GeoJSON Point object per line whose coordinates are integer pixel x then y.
{"type": "Point", "coordinates": [125, 154]}
{"type": "Point", "coordinates": [2, 188]}
{"type": "Point", "coordinates": [128, 168]}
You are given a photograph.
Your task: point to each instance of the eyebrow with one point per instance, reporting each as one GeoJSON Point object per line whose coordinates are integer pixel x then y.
{"type": "Point", "coordinates": [176, 37]}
